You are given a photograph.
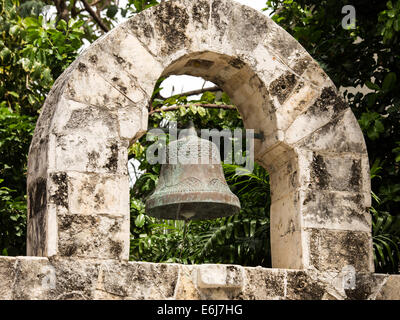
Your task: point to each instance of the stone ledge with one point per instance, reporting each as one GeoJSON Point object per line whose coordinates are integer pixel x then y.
{"type": "Point", "coordinates": [30, 278]}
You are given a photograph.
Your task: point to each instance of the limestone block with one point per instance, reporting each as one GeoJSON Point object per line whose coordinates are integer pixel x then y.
{"type": "Point", "coordinates": [367, 286]}
{"type": "Point", "coordinates": [230, 20]}
{"type": "Point", "coordinates": [57, 189]}
{"type": "Point", "coordinates": [82, 152]}
{"type": "Point", "coordinates": [126, 64]}
{"type": "Point", "coordinates": [285, 218]}
{"type": "Point", "coordinates": [290, 52]}
{"type": "Point", "coordinates": [93, 236]}
{"type": "Point", "coordinates": [340, 172]}
{"type": "Point", "coordinates": [264, 284]}
{"type": "Point", "coordinates": [300, 286]}
{"type": "Point", "coordinates": [334, 210]}
{"type": "Point", "coordinates": [85, 85]}
{"type": "Point", "coordinates": [315, 74]}
{"type": "Point", "coordinates": [267, 63]}
{"type": "Point", "coordinates": [35, 280]}
{"type": "Point", "coordinates": [132, 123]}
{"type": "Point", "coordinates": [287, 250]}
{"type": "Point", "coordinates": [76, 279]}
{"type": "Point", "coordinates": [137, 280]}
{"type": "Point", "coordinates": [103, 194]}
{"type": "Point", "coordinates": [366, 180]}
{"type": "Point", "coordinates": [219, 276]}
{"type": "Point", "coordinates": [330, 250]}
{"type": "Point", "coordinates": [281, 88]}
{"type": "Point", "coordinates": [37, 224]}
{"type": "Point", "coordinates": [343, 134]}
{"type": "Point", "coordinates": [326, 107]}
{"type": "Point", "coordinates": [390, 289]}
{"type": "Point", "coordinates": [7, 276]}
{"type": "Point", "coordinates": [162, 29]}
{"type": "Point", "coordinates": [284, 180]}
{"type": "Point", "coordinates": [275, 157]}
{"type": "Point", "coordinates": [186, 286]}
{"type": "Point", "coordinates": [297, 101]}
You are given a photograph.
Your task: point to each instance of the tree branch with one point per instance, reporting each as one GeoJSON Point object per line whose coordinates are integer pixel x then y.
{"type": "Point", "coordinates": [198, 91]}
{"type": "Point", "coordinates": [204, 105]}
{"type": "Point", "coordinates": [95, 16]}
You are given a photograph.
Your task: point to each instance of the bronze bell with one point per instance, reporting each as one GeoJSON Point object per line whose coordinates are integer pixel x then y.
{"type": "Point", "coordinates": [192, 185]}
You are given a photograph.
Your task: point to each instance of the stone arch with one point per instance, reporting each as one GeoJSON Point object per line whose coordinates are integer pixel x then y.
{"type": "Point", "coordinates": [78, 191]}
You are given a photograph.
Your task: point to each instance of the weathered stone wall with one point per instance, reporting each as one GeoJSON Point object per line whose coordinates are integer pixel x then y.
{"type": "Point", "coordinates": [78, 192]}
{"type": "Point", "coordinates": [71, 278]}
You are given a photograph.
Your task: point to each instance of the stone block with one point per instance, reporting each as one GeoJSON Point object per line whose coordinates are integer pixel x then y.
{"type": "Point", "coordinates": [367, 286]}
{"type": "Point", "coordinates": [390, 289]}
{"type": "Point", "coordinates": [301, 286]}
{"type": "Point", "coordinates": [264, 284]}
{"type": "Point", "coordinates": [90, 154]}
{"type": "Point", "coordinates": [139, 281]}
{"type": "Point", "coordinates": [93, 236]}
{"type": "Point", "coordinates": [35, 279]}
{"type": "Point", "coordinates": [284, 180]}
{"type": "Point", "coordinates": [219, 276]}
{"type": "Point", "coordinates": [328, 106]}
{"type": "Point", "coordinates": [330, 250]}
{"type": "Point", "coordinates": [7, 277]}
{"type": "Point", "coordinates": [334, 210]}
{"type": "Point", "coordinates": [287, 250]}
{"type": "Point", "coordinates": [331, 172]}
{"type": "Point", "coordinates": [76, 279]}
{"type": "Point", "coordinates": [132, 123]}
{"type": "Point", "coordinates": [186, 286]}
{"type": "Point", "coordinates": [94, 193]}
{"type": "Point", "coordinates": [342, 134]}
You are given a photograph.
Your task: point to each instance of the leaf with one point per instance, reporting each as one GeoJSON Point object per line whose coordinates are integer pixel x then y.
{"type": "Point", "coordinates": [193, 108]}
{"type": "Point", "coordinates": [201, 111]}
{"type": "Point", "coordinates": [14, 30]}
{"type": "Point", "coordinates": [112, 11]}
{"type": "Point", "coordinates": [140, 220]}
{"type": "Point", "coordinates": [13, 93]}
{"type": "Point", "coordinates": [389, 82]}
{"type": "Point", "coordinates": [5, 53]}
{"type": "Point", "coordinates": [372, 86]}
{"type": "Point", "coordinates": [396, 25]}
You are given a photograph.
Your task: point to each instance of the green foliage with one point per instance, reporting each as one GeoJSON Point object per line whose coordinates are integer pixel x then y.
{"type": "Point", "coordinates": [33, 53]}
{"type": "Point", "coordinates": [386, 240]}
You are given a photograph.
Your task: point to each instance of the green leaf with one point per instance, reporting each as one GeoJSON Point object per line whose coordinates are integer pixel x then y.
{"type": "Point", "coordinates": [5, 54]}
{"type": "Point", "coordinates": [372, 86]}
{"type": "Point", "coordinates": [14, 30]}
{"type": "Point", "coordinates": [13, 93]}
{"type": "Point", "coordinates": [201, 111]}
{"type": "Point", "coordinates": [193, 109]}
{"type": "Point", "coordinates": [389, 82]}
{"type": "Point", "coordinates": [140, 220]}
{"type": "Point", "coordinates": [112, 11]}
{"type": "Point", "coordinates": [396, 25]}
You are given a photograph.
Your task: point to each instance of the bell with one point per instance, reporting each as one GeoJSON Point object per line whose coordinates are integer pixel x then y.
{"type": "Point", "coordinates": [192, 185]}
